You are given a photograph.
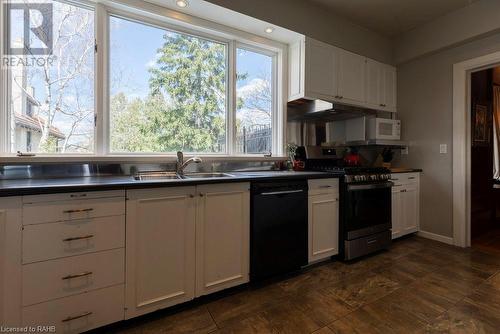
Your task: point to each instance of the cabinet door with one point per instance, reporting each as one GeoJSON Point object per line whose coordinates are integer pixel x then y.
{"type": "Point", "coordinates": [373, 83]}
{"type": "Point", "coordinates": [222, 237]}
{"type": "Point", "coordinates": [321, 70]}
{"type": "Point", "coordinates": [296, 71]}
{"type": "Point", "coordinates": [323, 226]}
{"type": "Point", "coordinates": [351, 79]}
{"type": "Point", "coordinates": [410, 204]}
{"type": "Point", "coordinates": [160, 249]}
{"type": "Point", "coordinates": [389, 88]}
{"type": "Point", "coordinates": [10, 261]}
{"type": "Point", "coordinates": [397, 212]}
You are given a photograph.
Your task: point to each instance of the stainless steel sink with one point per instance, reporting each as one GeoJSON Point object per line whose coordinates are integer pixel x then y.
{"type": "Point", "coordinates": [161, 175]}
{"type": "Point", "coordinates": [205, 175]}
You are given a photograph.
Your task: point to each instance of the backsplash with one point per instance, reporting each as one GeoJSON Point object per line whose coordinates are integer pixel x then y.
{"type": "Point", "coordinates": [56, 170]}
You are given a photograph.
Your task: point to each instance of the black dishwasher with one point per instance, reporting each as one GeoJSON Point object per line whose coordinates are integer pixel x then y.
{"type": "Point", "coordinates": [278, 229]}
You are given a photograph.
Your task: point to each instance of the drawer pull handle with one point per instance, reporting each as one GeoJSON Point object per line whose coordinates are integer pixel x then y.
{"type": "Point", "coordinates": [411, 178]}
{"type": "Point", "coordinates": [86, 314]}
{"type": "Point", "coordinates": [77, 195]}
{"type": "Point", "coordinates": [372, 241]}
{"type": "Point", "coordinates": [325, 186]}
{"type": "Point", "coordinates": [87, 273]}
{"type": "Point", "coordinates": [79, 238]}
{"type": "Point", "coordinates": [78, 210]}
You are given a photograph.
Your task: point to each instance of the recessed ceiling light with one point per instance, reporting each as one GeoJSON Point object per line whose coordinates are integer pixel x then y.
{"type": "Point", "coordinates": [182, 3]}
{"type": "Point", "coordinates": [269, 30]}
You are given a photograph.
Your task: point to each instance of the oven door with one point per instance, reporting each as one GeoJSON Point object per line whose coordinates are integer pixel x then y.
{"type": "Point", "coordinates": [367, 209]}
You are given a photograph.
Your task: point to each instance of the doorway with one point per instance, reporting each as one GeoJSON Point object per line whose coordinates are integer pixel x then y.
{"type": "Point", "coordinates": [484, 159]}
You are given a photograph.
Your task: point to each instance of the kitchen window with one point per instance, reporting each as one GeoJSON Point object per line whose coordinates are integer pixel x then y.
{"type": "Point", "coordinates": [168, 95]}
{"type": "Point", "coordinates": [123, 83]}
{"type": "Point", "coordinates": [254, 100]}
{"type": "Point", "coordinates": [51, 97]}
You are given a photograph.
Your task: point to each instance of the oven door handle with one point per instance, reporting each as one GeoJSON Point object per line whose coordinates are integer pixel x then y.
{"type": "Point", "coordinates": [354, 187]}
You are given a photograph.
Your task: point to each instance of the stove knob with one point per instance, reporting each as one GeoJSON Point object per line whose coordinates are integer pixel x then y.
{"type": "Point", "coordinates": [374, 177]}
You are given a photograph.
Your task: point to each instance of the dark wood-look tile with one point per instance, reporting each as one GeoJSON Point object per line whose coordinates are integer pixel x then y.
{"type": "Point", "coordinates": [485, 297]}
{"type": "Point", "coordinates": [324, 330]}
{"type": "Point", "coordinates": [359, 289]}
{"type": "Point", "coordinates": [419, 286]}
{"type": "Point", "coordinates": [285, 318]}
{"type": "Point", "coordinates": [195, 320]}
{"type": "Point", "coordinates": [321, 305]}
{"type": "Point", "coordinates": [361, 321]}
{"type": "Point", "coordinates": [253, 324]}
{"type": "Point", "coordinates": [404, 270]}
{"type": "Point", "coordinates": [465, 318]}
{"type": "Point", "coordinates": [494, 281]}
{"type": "Point", "coordinates": [413, 304]}
{"type": "Point", "coordinates": [246, 303]}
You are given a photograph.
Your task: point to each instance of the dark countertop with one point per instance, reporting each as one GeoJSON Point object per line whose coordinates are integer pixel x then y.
{"type": "Point", "coordinates": [397, 170]}
{"type": "Point", "coordinates": [57, 185]}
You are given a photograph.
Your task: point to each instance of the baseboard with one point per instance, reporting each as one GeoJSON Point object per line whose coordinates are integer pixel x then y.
{"type": "Point", "coordinates": [436, 237]}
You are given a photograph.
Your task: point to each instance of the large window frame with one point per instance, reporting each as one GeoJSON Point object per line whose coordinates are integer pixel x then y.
{"type": "Point", "coordinates": [229, 37]}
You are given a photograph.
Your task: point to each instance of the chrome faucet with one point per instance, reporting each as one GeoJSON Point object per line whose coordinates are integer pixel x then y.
{"type": "Point", "coordinates": [181, 164]}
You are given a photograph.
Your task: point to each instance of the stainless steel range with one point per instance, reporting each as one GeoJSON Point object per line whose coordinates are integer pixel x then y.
{"type": "Point", "coordinates": [365, 204]}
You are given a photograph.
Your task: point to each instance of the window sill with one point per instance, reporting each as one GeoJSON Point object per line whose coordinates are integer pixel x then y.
{"type": "Point", "coordinates": [13, 159]}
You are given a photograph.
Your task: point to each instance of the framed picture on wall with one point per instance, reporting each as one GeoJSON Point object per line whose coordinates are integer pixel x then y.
{"type": "Point", "coordinates": [481, 125]}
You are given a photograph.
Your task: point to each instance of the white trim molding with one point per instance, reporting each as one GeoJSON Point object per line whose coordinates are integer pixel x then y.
{"type": "Point", "coordinates": [462, 143]}
{"type": "Point", "coordinates": [436, 237]}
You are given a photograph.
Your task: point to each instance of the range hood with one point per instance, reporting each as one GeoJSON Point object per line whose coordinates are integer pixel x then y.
{"type": "Point", "coordinates": [319, 110]}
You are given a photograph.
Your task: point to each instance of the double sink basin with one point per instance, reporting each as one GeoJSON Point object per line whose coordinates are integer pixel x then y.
{"type": "Point", "coordinates": [152, 176]}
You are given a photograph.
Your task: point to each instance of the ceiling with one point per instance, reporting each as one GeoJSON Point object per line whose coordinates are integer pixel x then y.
{"type": "Point", "coordinates": [392, 18]}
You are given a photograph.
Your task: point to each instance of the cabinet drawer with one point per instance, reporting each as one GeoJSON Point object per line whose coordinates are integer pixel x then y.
{"type": "Point", "coordinates": [73, 196]}
{"type": "Point", "coordinates": [73, 237]}
{"type": "Point", "coordinates": [323, 186]}
{"type": "Point", "coordinates": [48, 280]}
{"type": "Point", "coordinates": [404, 178]}
{"type": "Point", "coordinates": [46, 212]}
{"type": "Point", "coordinates": [78, 313]}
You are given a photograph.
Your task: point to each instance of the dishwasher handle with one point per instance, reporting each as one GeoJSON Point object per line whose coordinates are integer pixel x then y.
{"type": "Point", "coordinates": [282, 192]}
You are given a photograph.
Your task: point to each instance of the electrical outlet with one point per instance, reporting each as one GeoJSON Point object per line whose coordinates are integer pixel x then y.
{"type": "Point", "coordinates": [443, 148]}
{"type": "Point", "coordinates": [405, 150]}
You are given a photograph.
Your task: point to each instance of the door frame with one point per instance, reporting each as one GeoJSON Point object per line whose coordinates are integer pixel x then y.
{"type": "Point", "coordinates": [462, 144]}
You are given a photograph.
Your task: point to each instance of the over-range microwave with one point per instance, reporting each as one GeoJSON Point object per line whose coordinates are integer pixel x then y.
{"type": "Point", "coordinates": [383, 128]}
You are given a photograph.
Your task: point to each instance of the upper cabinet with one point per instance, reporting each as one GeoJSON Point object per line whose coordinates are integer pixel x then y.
{"type": "Point", "coordinates": [381, 86]}
{"type": "Point", "coordinates": [351, 77]}
{"type": "Point", "coordinates": [321, 71]}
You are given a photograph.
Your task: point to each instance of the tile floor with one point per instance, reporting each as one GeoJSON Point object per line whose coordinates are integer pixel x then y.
{"type": "Point", "coordinates": [418, 286]}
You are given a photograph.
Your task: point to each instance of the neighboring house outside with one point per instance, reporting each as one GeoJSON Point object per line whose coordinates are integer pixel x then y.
{"type": "Point", "coordinates": [25, 123]}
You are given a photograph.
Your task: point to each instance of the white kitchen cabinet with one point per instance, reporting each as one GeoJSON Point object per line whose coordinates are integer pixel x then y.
{"type": "Point", "coordinates": [321, 71]}
{"type": "Point", "coordinates": [351, 77]}
{"type": "Point", "coordinates": [405, 204]}
{"type": "Point", "coordinates": [61, 268]}
{"type": "Point", "coordinates": [160, 248]}
{"type": "Point", "coordinates": [184, 242]}
{"type": "Point", "coordinates": [381, 86]}
{"type": "Point", "coordinates": [313, 70]}
{"type": "Point", "coordinates": [323, 218]}
{"type": "Point", "coordinates": [10, 261]}
{"type": "Point", "coordinates": [222, 236]}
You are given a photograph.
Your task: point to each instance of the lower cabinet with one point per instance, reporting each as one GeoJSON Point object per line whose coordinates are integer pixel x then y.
{"type": "Point", "coordinates": [323, 211]}
{"type": "Point", "coordinates": [160, 246]}
{"type": "Point", "coordinates": [222, 237]}
{"type": "Point", "coordinates": [185, 242]}
{"type": "Point", "coordinates": [405, 204]}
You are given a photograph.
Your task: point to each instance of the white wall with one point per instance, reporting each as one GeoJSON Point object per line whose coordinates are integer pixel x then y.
{"type": "Point", "coordinates": [425, 99]}
{"type": "Point", "coordinates": [314, 21]}
{"type": "Point", "coordinates": [468, 23]}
